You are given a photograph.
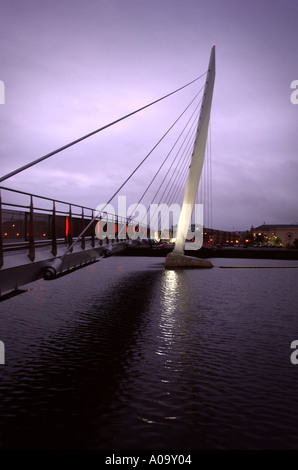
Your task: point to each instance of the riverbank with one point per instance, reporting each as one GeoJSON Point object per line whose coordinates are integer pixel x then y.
{"type": "Point", "coordinates": [208, 252]}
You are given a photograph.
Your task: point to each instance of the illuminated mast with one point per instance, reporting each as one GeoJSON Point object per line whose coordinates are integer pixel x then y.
{"type": "Point", "coordinates": [197, 159]}
{"type": "Point", "coordinates": [177, 257]}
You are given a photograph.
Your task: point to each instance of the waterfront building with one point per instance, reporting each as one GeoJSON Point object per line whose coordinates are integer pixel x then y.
{"type": "Point", "coordinates": [272, 234]}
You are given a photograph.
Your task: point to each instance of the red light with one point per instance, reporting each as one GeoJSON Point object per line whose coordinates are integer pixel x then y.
{"type": "Point", "coordinates": [66, 227]}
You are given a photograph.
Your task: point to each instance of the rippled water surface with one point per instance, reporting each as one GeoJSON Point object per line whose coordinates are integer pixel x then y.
{"type": "Point", "coordinates": [126, 355]}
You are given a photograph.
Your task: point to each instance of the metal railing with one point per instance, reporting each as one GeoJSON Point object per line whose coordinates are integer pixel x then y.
{"type": "Point", "coordinates": [29, 221]}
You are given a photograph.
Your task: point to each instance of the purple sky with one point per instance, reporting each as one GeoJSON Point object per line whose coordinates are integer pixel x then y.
{"type": "Point", "coordinates": [71, 66]}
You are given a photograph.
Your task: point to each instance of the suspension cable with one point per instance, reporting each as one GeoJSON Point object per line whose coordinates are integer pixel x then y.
{"type": "Point", "coordinates": [38, 160]}
{"type": "Point", "coordinates": [122, 185]}
{"type": "Point", "coordinates": [169, 153]}
{"type": "Point", "coordinates": [172, 189]}
{"type": "Point", "coordinates": [174, 145]}
{"type": "Point", "coordinates": [179, 163]}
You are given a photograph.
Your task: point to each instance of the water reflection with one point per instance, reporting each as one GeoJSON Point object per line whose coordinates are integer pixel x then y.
{"type": "Point", "coordinates": [170, 348]}
{"type": "Point", "coordinates": [126, 355]}
{"type": "Point", "coordinates": [167, 323]}
{"type": "Point", "coordinates": [176, 305]}
{"type": "Point", "coordinates": [66, 395]}
{"type": "Point", "coordinates": [170, 290]}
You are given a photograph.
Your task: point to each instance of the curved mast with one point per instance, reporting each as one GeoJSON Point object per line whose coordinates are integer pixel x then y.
{"type": "Point", "coordinates": [197, 159]}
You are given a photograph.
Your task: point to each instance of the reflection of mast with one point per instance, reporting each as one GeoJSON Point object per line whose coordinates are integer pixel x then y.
{"type": "Point", "coordinates": [197, 159]}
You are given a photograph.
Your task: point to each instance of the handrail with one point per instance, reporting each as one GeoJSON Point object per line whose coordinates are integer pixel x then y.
{"type": "Point", "coordinates": [43, 197]}
{"type": "Point", "coordinates": [73, 225]}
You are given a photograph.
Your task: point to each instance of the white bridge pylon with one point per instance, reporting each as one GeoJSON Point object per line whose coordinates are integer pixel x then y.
{"type": "Point", "coordinates": [197, 159]}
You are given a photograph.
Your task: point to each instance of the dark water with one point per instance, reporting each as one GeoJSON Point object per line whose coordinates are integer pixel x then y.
{"type": "Point", "coordinates": [126, 355]}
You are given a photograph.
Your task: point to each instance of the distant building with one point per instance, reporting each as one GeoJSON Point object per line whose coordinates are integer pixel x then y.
{"type": "Point", "coordinates": [214, 237]}
{"type": "Point", "coordinates": [220, 237]}
{"type": "Point", "coordinates": [286, 233]}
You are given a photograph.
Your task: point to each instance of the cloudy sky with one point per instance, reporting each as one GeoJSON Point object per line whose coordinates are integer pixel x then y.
{"type": "Point", "coordinates": [72, 66]}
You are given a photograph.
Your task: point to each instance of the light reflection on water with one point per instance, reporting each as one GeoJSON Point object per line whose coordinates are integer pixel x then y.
{"type": "Point", "coordinates": [167, 321]}
{"type": "Point", "coordinates": [124, 354]}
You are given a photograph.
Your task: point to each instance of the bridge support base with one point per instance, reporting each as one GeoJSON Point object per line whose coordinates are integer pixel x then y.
{"type": "Point", "coordinates": [177, 260]}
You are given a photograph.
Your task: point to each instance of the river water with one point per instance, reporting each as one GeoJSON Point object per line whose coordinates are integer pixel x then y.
{"type": "Point", "coordinates": [124, 354]}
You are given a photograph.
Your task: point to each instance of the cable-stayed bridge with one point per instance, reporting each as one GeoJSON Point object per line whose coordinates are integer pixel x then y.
{"type": "Point", "coordinates": [46, 238]}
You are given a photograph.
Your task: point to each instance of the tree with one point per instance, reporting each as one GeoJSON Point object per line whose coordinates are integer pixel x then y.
{"type": "Point", "coordinates": [276, 241]}
{"type": "Point", "coordinates": [259, 238]}
{"type": "Point", "coordinates": [248, 238]}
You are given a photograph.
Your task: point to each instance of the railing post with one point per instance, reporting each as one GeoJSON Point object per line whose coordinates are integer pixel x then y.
{"type": "Point", "coordinates": [54, 236]}
{"type": "Point", "coordinates": [31, 233]}
{"type": "Point", "coordinates": [69, 228]}
{"type": "Point", "coordinates": [1, 234]}
{"type": "Point", "coordinates": [93, 231]}
{"type": "Point", "coordinates": [126, 230]}
{"type": "Point", "coordinates": [116, 228]}
{"type": "Point", "coordinates": [83, 226]}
